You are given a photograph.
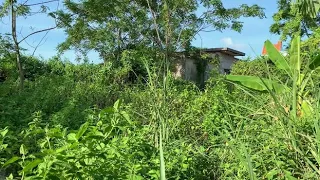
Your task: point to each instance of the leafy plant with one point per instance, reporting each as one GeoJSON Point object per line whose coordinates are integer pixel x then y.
{"type": "Point", "coordinates": [292, 67]}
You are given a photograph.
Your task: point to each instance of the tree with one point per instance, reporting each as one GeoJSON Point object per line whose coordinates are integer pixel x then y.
{"type": "Point", "coordinates": [299, 17]}
{"type": "Point", "coordinates": [6, 47]}
{"type": "Point", "coordinates": [13, 8]}
{"type": "Point", "coordinates": [308, 7]}
{"type": "Point", "coordinates": [109, 27]}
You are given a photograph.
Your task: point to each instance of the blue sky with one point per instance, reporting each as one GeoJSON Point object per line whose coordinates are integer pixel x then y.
{"type": "Point", "coordinates": [250, 40]}
{"type": "Point", "coordinates": [255, 31]}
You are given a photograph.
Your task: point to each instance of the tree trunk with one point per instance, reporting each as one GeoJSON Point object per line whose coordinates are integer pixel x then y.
{"type": "Point", "coordinates": [20, 68]}
{"type": "Point", "coordinates": [16, 45]}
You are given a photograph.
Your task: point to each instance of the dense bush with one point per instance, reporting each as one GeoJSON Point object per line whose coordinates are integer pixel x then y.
{"type": "Point", "coordinates": [90, 121]}
{"type": "Point", "coordinates": [128, 118]}
{"type": "Point", "coordinates": [261, 67]}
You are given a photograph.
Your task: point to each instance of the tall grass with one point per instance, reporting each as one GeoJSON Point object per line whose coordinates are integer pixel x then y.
{"type": "Point", "coordinates": [158, 119]}
{"type": "Point", "coordinates": [298, 136]}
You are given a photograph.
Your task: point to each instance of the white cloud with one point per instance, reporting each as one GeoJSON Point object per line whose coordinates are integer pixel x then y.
{"type": "Point", "coordinates": [228, 42]}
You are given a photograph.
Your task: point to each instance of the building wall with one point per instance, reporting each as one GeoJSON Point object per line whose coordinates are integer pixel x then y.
{"type": "Point", "coordinates": [186, 68]}
{"type": "Point", "coordinates": [226, 62]}
{"type": "Point", "coordinates": [191, 71]}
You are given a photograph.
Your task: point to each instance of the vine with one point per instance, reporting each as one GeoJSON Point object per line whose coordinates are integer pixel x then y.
{"type": "Point", "coordinates": [202, 60]}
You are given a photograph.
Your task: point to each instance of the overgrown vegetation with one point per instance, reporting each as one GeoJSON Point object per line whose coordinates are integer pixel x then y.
{"type": "Point", "coordinates": [129, 118]}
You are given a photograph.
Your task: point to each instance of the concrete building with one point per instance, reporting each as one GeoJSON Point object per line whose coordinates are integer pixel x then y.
{"type": "Point", "coordinates": [198, 69]}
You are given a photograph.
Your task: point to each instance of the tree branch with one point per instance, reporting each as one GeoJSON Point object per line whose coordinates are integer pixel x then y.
{"type": "Point", "coordinates": [43, 30]}
{"type": "Point", "coordinates": [35, 4]}
{"type": "Point", "coordinates": [155, 23]}
{"type": "Point", "coordinates": [25, 2]}
{"type": "Point", "coordinates": [39, 44]}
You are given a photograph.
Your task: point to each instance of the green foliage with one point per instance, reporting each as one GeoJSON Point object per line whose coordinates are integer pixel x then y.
{"type": "Point", "coordinates": [6, 47]}
{"type": "Point", "coordinates": [130, 119]}
{"type": "Point", "coordinates": [292, 66]}
{"type": "Point", "coordinates": [257, 83]}
{"type": "Point", "coordinates": [276, 57]}
{"type": "Point", "coordinates": [295, 18]}
{"type": "Point", "coordinates": [260, 67]}
{"type": "Point", "coordinates": [315, 63]}
{"type": "Point", "coordinates": [82, 131]}
{"type": "Point", "coordinates": [104, 147]}
{"type": "Point", "coordinates": [309, 7]}
{"type": "Point", "coordinates": [114, 26]}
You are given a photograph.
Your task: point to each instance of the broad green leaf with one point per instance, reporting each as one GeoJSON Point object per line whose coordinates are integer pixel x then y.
{"type": "Point", "coordinates": [63, 148]}
{"type": "Point", "coordinates": [126, 116]}
{"type": "Point", "coordinates": [97, 134]}
{"type": "Point", "coordinates": [257, 83]}
{"type": "Point", "coordinates": [82, 130]}
{"type": "Point", "coordinates": [10, 177]}
{"type": "Point", "coordinates": [295, 54]}
{"type": "Point", "coordinates": [68, 146]}
{"type": "Point", "coordinates": [72, 137]}
{"type": "Point", "coordinates": [10, 161]}
{"type": "Point", "coordinates": [117, 105]}
{"type": "Point", "coordinates": [31, 165]}
{"type": "Point", "coordinates": [306, 108]}
{"type": "Point", "coordinates": [23, 149]}
{"type": "Point", "coordinates": [4, 146]}
{"type": "Point", "coordinates": [108, 110]}
{"type": "Point", "coordinates": [4, 131]}
{"type": "Point", "coordinates": [315, 63]}
{"type": "Point", "coordinates": [277, 58]}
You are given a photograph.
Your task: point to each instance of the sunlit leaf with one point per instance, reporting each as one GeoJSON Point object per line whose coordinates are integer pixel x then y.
{"type": "Point", "coordinates": [10, 177]}
{"type": "Point", "coordinates": [295, 53]}
{"type": "Point", "coordinates": [4, 131]}
{"type": "Point", "coordinates": [126, 116]}
{"type": "Point", "coordinates": [257, 83]}
{"type": "Point", "coordinates": [277, 58]}
{"type": "Point", "coordinates": [117, 105]}
{"type": "Point", "coordinates": [82, 130]}
{"type": "Point", "coordinates": [306, 108]}
{"type": "Point", "coordinates": [72, 137]}
{"type": "Point", "coordinates": [10, 161]}
{"type": "Point", "coordinates": [31, 165]}
{"type": "Point", "coordinates": [23, 149]}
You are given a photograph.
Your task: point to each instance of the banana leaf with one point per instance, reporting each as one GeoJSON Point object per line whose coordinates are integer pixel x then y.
{"type": "Point", "coordinates": [256, 83]}
{"type": "Point", "coordinates": [277, 58]}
